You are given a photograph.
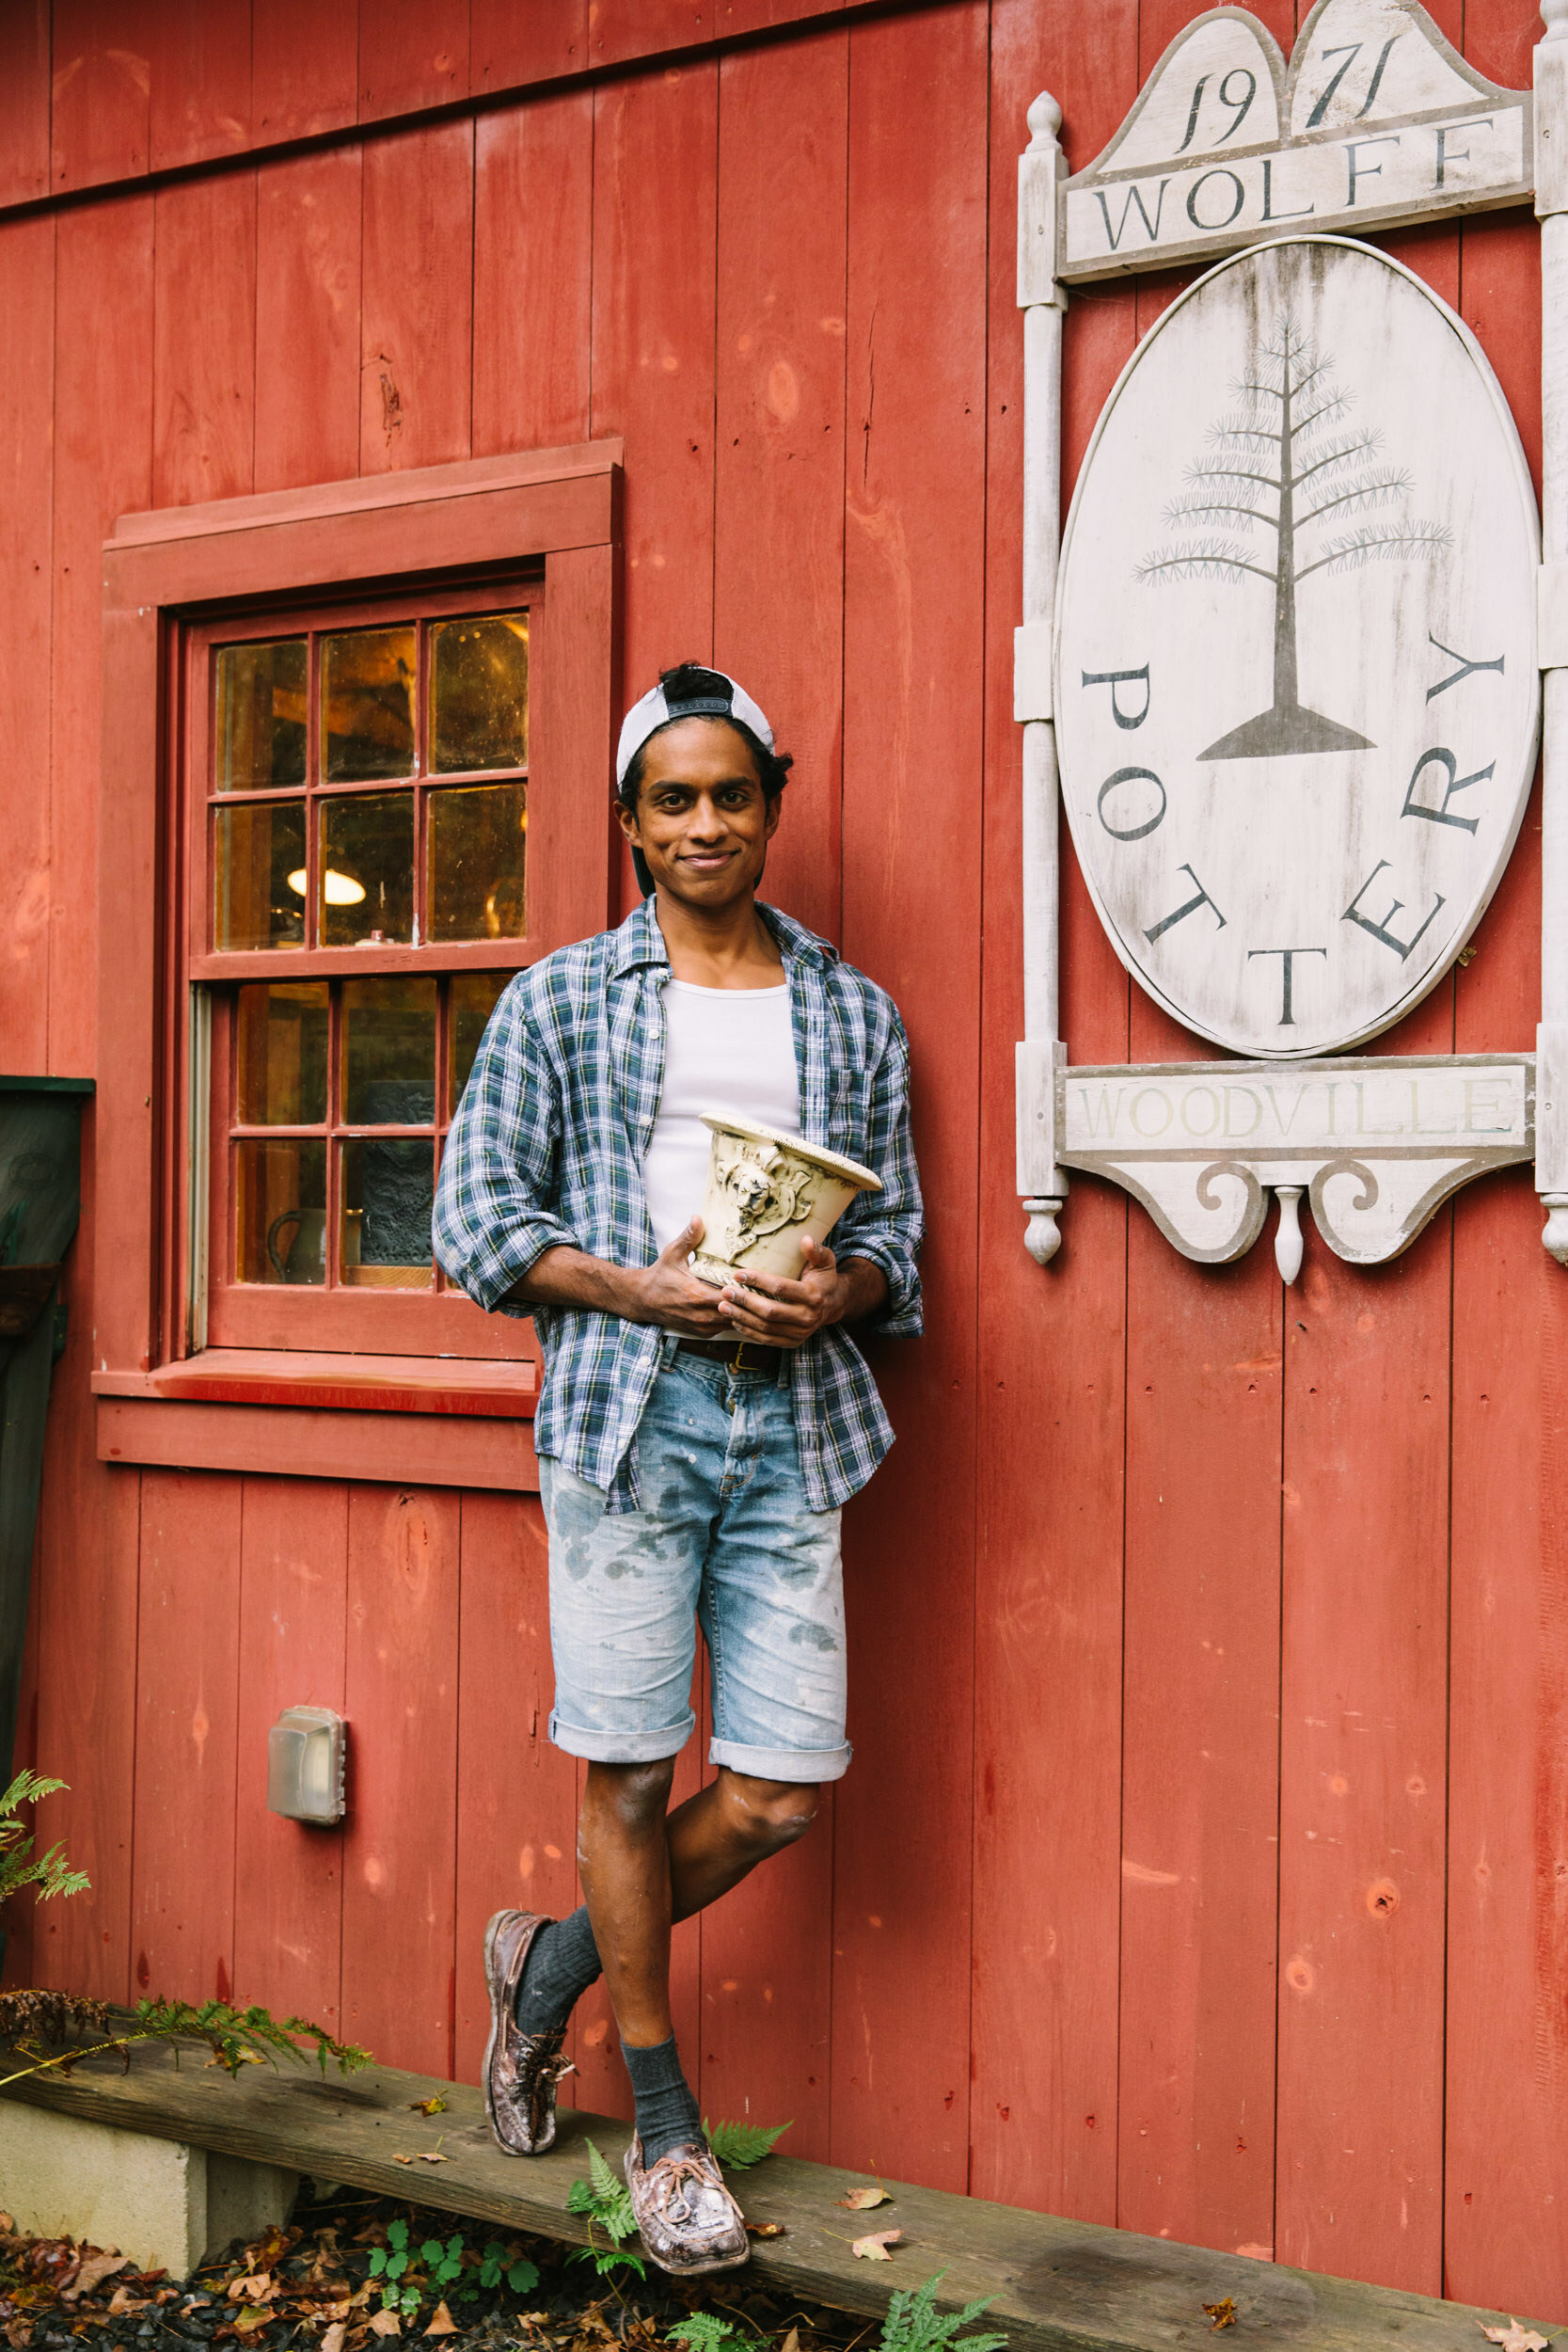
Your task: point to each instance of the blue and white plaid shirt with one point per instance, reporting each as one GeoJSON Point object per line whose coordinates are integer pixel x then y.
{"type": "Point", "coordinates": [547, 1149]}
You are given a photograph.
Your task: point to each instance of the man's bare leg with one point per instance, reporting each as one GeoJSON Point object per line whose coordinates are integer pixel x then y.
{"type": "Point", "coordinates": [643, 1866]}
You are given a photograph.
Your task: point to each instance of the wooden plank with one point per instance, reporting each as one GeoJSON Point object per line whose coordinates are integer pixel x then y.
{"type": "Point", "coordinates": [204, 353]}
{"type": "Point", "coordinates": [516, 1794]}
{"type": "Point", "coordinates": [416, 327]}
{"type": "Point", "coordinates": [1505, 2217]}
{"type": "Point", "coordinates": [444, 1449]}
{"type": "Point", "coordinates": [913, 644]}
{"type": "Point", "coordinates": [308, 221]}
{"type": "Point", "coordinates": [187, 1716]}
{"type": "Point", "coordinates": [783, 257]}
{"type": "Point", "coordinates": [200, 82]}
{"type": "Point", "coordinates": [515, 41]}
{"type": "Point", "coordinates": [305, 73]}
{"type": "Point", "coordinates": [288, 1877]}
{"type": "Point", "coordinates": [413, 54]}
{"type": "Point", "coordinates": [766, 1950]}
{"type": "Point", "coordinates": [621, 30]}
{"type": "Point", "coordinates": [653, 351]}
{"type": "Point", "coordinates": [87, 1568]}
{"type": "Point", "coordinates": [1055, 2286]}
{"type": "Point", "coordinates": [379, 1384]}
{"type": "Point", "coordinates": [23, 100]}
{"type": "Point", "coordinates": [26, 580]}
{"type": "Point", "coordinates": [576, 719]}
{"type": "Point", "coordinates": [1052, 1364]}
{"type": "Point", "coordinates": [534, 230]}
{"type": "Point", "coordinates": [399, 1847]}
{"type": "Point", "coordinates": [104, 448]}
{"type": "Point", "coordinates": [100, 115]}
{"type": "Point", "coordinates": [22, 1919]}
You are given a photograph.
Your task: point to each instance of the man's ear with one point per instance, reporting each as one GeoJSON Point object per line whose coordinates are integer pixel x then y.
{"type": "Point", "coordinates": [627, 818]}
{"type": "Point", "coordinates": [772, 815]}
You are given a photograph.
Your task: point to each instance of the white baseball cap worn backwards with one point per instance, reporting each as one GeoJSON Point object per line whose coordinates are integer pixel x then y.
{"type": "Point", "coordinates": [708, 694]}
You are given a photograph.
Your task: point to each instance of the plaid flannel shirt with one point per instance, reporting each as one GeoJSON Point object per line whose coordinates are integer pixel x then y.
{"type": "Point", "coordinates": [547, 1149]}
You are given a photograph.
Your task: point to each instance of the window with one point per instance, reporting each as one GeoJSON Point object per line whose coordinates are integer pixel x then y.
{"type": "Point", "coordinates": [360, 816]}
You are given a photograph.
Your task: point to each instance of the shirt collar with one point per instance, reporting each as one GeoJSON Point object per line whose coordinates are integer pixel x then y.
{"type": "Point", "coordinates": [639, 942]}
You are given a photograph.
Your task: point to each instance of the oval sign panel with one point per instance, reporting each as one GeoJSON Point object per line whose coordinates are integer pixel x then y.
{"type": "Point", "coordinates": [1296, 686]}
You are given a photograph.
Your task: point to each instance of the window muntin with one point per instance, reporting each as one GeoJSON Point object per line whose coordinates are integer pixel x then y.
{"type": "Point", "coordinates": [308, 849]}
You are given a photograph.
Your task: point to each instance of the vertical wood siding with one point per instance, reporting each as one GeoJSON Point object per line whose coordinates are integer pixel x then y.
{"type": "Point", "coordinates": [1214, 1883]}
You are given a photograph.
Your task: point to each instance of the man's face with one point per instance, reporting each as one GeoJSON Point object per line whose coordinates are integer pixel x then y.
{"type": "Point", "coordinates": [700, 823]}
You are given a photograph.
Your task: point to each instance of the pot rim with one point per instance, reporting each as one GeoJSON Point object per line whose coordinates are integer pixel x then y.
{"type": "Point", "coordinates": [736, 1122]}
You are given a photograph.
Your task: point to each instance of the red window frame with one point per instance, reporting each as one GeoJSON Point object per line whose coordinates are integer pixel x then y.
{"type": "Point", "coordinates": [175, 581]}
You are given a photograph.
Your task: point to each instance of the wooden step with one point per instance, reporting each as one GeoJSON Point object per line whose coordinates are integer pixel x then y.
{"type": "Point", "coordinates": [1066, 2285]}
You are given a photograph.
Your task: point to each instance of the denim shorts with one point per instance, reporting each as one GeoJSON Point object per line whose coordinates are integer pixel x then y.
{"type": "Point", "coordinates": [725, 1539]}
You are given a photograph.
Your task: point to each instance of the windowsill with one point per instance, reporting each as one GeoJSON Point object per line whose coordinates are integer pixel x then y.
{"type": "Point", "coordinates": [372, 1384]}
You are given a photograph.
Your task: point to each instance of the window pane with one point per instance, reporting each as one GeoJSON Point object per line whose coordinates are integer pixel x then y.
{"type": "Point", "coordinates": [389, 1190]}
{"type": "Point", "coordinates": [367, 697]}
{"type": "Point", "coordinates": [480, 693]}
{"type": "Point", "coordinates": [366, 891]}
{"type": "Point", "coordinates": [281, 1212]}
{"type": "Point", "coordinates": [473, 999]}
{"type": "Point", "coordinates": [281, 1035]}
{"type": "Point", "coordinates": [478, 835]}
{"type": "Point", "coordinates": [258, 858]}
{"type": "Point", "coordinates": [388, 1053]}
{"type": "Point", "coordinates": [262, 692]}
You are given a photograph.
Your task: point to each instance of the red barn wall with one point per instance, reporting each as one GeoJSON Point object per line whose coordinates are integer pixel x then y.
{"type": "Point", "coordinates": [1204, 1865]}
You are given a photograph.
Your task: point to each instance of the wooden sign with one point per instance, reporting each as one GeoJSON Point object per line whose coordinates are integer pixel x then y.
{"type": "Point", "coordinates": [1296, 691]}
{"type": "Point", "coordinates": [1376, 122]}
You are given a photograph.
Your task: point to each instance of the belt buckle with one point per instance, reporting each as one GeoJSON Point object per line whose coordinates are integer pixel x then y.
{"type": "Point", "coordinates": [737, 1361]}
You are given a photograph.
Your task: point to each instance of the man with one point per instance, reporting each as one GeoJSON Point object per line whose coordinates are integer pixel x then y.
{"type": "Point", "coordinates": [694, 1444]}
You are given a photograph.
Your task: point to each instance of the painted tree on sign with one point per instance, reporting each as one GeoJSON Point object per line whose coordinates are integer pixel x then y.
{"type": "Point", "coordinates": [1285, 442]}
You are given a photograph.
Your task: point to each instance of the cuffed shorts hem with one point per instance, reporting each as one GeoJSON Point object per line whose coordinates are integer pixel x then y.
{"type": "Point", "coordinates": [623, 1747]}
{"type": "Point", "coordinates": [803, 1764]}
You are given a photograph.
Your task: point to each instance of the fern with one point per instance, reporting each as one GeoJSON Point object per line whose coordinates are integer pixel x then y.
{"type": "Point", "coordinates": [607, 2203]}
{"type": "Point", "coordinates": [703, 2332]}
{"type": "Point", "coordinates": [57, 2030]}
{"type": "Point", "coordinates": [738, 2145]}
{"type": "Point", "coordinates": [913, 2324]}
{"type": "Point", "coordinates": [50, 1873]}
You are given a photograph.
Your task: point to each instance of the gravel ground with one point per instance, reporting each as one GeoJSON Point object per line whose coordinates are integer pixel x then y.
{"type": "Point", "coordinates": [319, 2283]}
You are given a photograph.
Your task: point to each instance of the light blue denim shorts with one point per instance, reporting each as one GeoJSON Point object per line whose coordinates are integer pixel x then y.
{"type": "Point", "coordinates": [725, 1539]}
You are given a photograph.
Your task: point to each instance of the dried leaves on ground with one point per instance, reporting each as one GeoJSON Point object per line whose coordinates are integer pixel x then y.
{"type": "Point", "coordinates": [354, 2273]}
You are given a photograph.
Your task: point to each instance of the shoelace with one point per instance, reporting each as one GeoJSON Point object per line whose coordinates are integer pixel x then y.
{"type": "Point", "coordinates": [676, 2172]}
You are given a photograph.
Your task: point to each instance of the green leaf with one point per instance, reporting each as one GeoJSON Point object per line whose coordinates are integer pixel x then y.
{"type": "Point", "coordinates": [738, 2145]}
{"type": "Point", "coordinates": [914, 2325]}
{"type": "Point", "coordinates": [703, 2332]}
{"type": "Point", "coordinates": [378, 2261]}
{"type": "Point", "coordinates": [605, 2184]}
{"type": "Point", "coordinates": [396, 2264]}
{"type": "Point", "coordinates": [397, 2233]}
{"type": "Point", "coordinates": [523, 2277]}
{"type": "Point", "coordinates": [430, 2253]}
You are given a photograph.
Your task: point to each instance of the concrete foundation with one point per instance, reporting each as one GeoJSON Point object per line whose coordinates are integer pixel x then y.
{"type": "Point", "coordinates": [162, 2204]}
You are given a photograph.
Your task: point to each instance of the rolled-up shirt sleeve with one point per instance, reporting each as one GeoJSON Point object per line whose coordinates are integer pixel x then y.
{"type": "Point", "coordinates": [886, 1228]}
{"type": "Point", "coordinates": [498, 1173]}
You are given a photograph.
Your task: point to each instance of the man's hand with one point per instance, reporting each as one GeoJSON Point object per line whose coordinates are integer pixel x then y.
{"type": "Point", "coordinates": [780, 1313]}
{"type": "Point", "coordinates": [669, 1293]}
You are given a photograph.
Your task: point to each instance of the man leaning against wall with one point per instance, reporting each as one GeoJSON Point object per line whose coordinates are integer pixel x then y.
{"type": "Point", "coordinates": [695, 1445]}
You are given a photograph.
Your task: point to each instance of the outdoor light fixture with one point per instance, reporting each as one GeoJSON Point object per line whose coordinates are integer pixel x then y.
{"type": "Point", "coordinates": [307, 1748]}
{"type": "Point", "coordinates": [339, 890]}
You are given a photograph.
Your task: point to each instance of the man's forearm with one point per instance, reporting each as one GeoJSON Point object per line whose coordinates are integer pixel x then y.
{"type": "Point", "coordinates": [570, 1278]}
{"type": "Point", "coordinates": [866, 1285]}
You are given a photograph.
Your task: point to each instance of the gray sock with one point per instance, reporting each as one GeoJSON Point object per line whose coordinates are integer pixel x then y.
{"type": "Point", "coordinates": [667, 2113]}
{"type": "Point", "coordinates": [562, 1962]}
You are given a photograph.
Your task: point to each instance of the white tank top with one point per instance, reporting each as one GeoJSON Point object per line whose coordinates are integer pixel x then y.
{"type": "Point", "coordinates": [725, 1049]}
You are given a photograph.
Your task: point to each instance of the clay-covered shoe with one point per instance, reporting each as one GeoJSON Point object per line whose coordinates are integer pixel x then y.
{"type": "Point", "coordinates": [522, 2071]}
{"type": "Point", "coordinates": [687, 2217]}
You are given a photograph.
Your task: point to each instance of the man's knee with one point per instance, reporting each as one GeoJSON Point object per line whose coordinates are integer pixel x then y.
{"type": "Point", "coordinates": [769, 1814]}
{"type": "Point", "coordinates": [636, 1796]}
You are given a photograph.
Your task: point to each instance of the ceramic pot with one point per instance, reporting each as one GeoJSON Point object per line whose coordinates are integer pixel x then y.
{"type": "Point", "coordinates": [767, 1194]}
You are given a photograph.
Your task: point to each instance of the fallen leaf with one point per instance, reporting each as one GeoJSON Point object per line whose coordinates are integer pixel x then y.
{"type": "Point", "coordinates": [1514, 2337]}
{"type": "Point", "coordinates": [242, 2058]}
{"type": "Point", "coordinates": [122, 2300]}
{"type": "Point", "coordinates": [862, 2199]}
{"type": "Point", "coordinates": [792, 2342]}
{"type": "Point", "coordinates": [94, 2270]}
{"type": "Point", "coordinates": [765, 2229]}
{"type": "Point", "coordinates": [386, 2324]}
{"type": "Point", "coordinates": [249, 2317]}
{"type": "Point", "coordinates": [441, 2321]}
{"type": "Point", "coordinates": [435, 2104]}
{"type": "Point", "coordinates": [333, 2339]}
{"type": "Point", "coordinates": [1222, 2314]}
{"type": "Point", "coordinates": [874, 2248]}
{"type": "Point", "coordinates": [424, 2155]}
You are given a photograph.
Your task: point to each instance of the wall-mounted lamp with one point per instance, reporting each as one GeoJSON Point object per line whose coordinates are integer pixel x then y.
{"type": "Point", "coordinates": [306, 1752]}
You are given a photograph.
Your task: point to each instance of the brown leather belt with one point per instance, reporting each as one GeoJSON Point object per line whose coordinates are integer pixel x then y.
{"type": "Point", "coordinates": [739, 1355]}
